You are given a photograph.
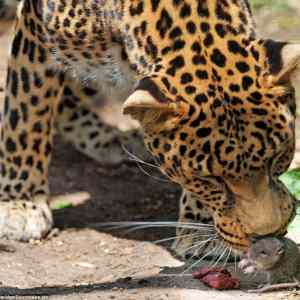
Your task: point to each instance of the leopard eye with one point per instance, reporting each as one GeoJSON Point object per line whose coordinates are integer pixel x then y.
{"type": "Point", "coordinates": [263, 253]}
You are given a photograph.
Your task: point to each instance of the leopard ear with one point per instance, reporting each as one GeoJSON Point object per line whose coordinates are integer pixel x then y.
{"type": "Point", "coordinates": [283, 59]}
{"type": "Point", "coordinates": [291, 61]}
{"type": "Point", "coordinates": [148, 105]}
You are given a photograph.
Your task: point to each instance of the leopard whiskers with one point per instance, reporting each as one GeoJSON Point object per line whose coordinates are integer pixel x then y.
{"type": "Point", "coordinates": [235, 261]}
{"type": "Point", "coordinates": [181, 236]}
{"type": "Point", "coordinates": [185, 274]}
{"type": "Point", "coordinates": [140, 227]}
{"type": "Point", "coordinates": [148, 174]}
{"type": "Point", "coordinates": [228, 256]}
{"type": "Point", "coordinates": [148, 224]}
{"type": "Point", "coordinates": [199, 231]}
{"type": "Point", "coordinates": [135, 158]}
{"type": "Point", "coordinates": [222, 248]}
{"type": "Point", "coordinates": [140, 162]}
{"type": "Point", "coordinates": [200, 244]}
{"type": "Point", "coordinates": [199, 260]}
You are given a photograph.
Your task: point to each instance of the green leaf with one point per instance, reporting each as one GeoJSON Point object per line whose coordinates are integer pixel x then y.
{"type": "Point", "coordinates": [292, 181]}
{"type": "Point", "coordinates": [275, 5]}
{"type": "Point", "coordinates": [62, 205]}
{"type": "Point", "coordinates": [294, 227]}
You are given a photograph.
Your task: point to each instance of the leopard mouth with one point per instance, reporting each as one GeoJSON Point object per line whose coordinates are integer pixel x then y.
{"type": "Point", "coordinates": [239, 243]}
{"type": "Point", "coordinates": [255, 215]}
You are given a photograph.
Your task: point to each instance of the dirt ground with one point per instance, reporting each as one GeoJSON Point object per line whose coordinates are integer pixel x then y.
{"type": "Point", "coordinates": [81, 261]}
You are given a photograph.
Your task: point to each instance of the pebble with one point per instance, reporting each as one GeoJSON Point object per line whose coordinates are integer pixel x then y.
{"type": "Point", "coordinates": [85, 265]}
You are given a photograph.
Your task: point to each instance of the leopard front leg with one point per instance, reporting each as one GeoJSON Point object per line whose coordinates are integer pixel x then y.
{"type": "Point", "coordinates": [77, 123]}
{"type": "Point", "coordinates": [26, 139]}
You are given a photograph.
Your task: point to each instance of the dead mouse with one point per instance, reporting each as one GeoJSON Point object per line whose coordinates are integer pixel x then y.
{"type": "Point", "coordinates": [278, 258]}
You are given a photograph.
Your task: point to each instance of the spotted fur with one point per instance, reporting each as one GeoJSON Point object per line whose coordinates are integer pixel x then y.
{"type": "Point", "coordinates": [215, 102]}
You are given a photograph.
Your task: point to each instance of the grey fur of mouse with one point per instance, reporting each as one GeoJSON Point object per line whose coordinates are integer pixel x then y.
{"type": "Point", "coordinates": [278, 258]}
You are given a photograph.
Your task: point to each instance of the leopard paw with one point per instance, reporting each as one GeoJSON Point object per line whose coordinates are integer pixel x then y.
{"type": "Point", "coordinates": [247, 266]}
{"type": "Point", "coordinates": [24, 220]}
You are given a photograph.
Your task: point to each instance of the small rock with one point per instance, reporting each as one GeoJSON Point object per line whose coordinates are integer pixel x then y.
{"type": "Point", "coordinates": [108, 278]}
{"type": "Point", "coordinates": [126, 279]}
{"type": "Point", "coordinates": [85, 265]}
{"type": "Point", "coordinates": [7, 248]}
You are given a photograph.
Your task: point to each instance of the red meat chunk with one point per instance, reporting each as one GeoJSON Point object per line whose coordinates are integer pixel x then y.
{"type": "Point", "coordinates": [217, 278]}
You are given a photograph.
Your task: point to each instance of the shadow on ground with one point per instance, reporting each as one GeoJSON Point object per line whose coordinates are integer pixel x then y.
{"type": "Point", "coordinates": [159, 281]}
{"type": "Point", "coordinates": [123, 194]}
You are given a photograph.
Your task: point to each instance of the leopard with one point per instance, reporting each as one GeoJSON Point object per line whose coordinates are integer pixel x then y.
{"type": "Point", "coordinates": [8, 12]}
{"type": "Point", "coordinates": [215, 102]}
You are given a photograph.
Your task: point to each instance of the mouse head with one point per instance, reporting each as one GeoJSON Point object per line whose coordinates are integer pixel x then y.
{"type": "Point", "coordinates": [266, 252]}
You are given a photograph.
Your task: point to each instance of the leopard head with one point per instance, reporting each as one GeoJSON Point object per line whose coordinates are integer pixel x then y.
{"type": "Point", "coordinates": [224, 131]}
